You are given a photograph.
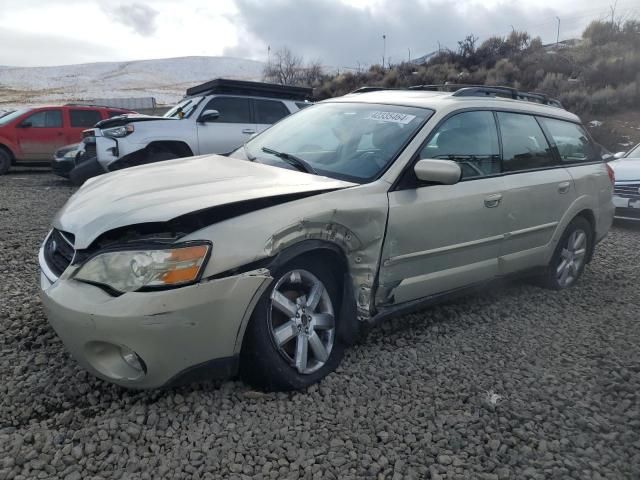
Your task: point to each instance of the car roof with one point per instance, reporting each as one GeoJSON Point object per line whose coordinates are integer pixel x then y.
{"type": "Point", "coordinates": [446, 101]}
{"type": "Point", "coordinates": [74, 106]}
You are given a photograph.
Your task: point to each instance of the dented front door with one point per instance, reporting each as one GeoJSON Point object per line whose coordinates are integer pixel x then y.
{"type": "Point", "coordinates": [439, 238]}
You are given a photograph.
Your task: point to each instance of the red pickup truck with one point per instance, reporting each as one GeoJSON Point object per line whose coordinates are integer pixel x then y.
{"type": "Point", "coordinates": [30, 136]}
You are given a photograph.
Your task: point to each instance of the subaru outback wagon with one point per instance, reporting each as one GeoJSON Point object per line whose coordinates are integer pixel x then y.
{"type": "Point", "coordinates": [267, 263]}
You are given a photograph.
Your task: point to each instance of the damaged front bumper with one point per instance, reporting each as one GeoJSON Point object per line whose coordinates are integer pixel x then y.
{"type": "Point", "coordinates": [152, 339]}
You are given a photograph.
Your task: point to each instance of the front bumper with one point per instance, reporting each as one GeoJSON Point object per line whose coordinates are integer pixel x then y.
{"type": "Point", "coordinates": [173, 331]}
{"type": "Point", "coordinates": [62, 166]}
{"type": "Point", "coordinates": [626, 208]}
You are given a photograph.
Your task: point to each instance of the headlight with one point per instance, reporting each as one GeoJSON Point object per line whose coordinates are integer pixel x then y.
{"type": "Point", "coordinates": [71, 154]}
{"type": "Point", "coordinates": [118, 132]}
{"type": "Point", "coordinates": [131, 270]}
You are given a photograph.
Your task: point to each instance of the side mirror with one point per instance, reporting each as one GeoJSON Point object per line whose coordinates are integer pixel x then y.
{"type": "Point", "coordinates": [25, 125]}
{"type": "Point", "coordinates": [619, 154]}
{"type": "Point", "coordinates": [209, 116]}
{"type": "Point", "coordinates": [445, 172]}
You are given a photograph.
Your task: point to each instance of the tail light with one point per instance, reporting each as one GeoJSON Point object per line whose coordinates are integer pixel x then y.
{"type": "Point", "coordinates": [612, 174]}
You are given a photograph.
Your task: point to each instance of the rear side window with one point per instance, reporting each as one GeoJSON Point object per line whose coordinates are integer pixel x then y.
{"type": "Point", "coordinates": [269, 111]}
{"type": "Point", "coordinates": [524, 146]}
{"type": "Point", "coordinates": [231, 109]}
{"type": "Point", "coordinates": [45, 119]}
{"type": "Point", "coordinates": [469, 138]}
{"type": "Point", "coordinates": [84, 118]}
{"type": "Point", "coordinates": [302, 105]}
{"type": "Point", "coordinates": [571, 140]}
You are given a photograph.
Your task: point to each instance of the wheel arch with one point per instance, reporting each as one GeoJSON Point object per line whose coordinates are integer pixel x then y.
{"type": "Point", "coordinates": [349, 327]}
{"type": "Point", "coordinates": [177, 147]}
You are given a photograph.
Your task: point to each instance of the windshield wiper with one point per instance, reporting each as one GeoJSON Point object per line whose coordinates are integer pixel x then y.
{"type": "Point", "coordinates": [297, 162]}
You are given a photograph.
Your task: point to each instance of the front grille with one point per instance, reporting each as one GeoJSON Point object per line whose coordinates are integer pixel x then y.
{"type": "Point", "coordinates": [630, 190]}
{"type": "Point", "coordinates": [59, 251]}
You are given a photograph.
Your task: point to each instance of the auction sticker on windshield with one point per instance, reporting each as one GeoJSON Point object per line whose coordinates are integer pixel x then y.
{"type": "Point", "coordinates": [394, 117]}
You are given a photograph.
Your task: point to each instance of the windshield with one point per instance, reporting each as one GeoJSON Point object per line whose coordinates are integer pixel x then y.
{"type": "Point", "coordinates": [634, 153]}
{"type": "Point", "coordinates": [184, 108]}
{"type": "Point", "coordinates": [349, 141]}
{"type": "Point", "coordinates": [12, 116]}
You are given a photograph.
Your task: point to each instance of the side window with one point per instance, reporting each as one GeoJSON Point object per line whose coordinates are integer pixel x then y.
{"type": "Point", "coordinates": [302, 105]}
{"type": "Point", "coordinates": [45, 119]}
{"type": "Point", "coordinates": [469, 138]}
{"type": "Point", "coordinates": [524, 146]}
{"type": "Point", "coordinates": [84, 118]}
{"type": "Point", "coordinates": [269, 111]}
{"type": "Point", "coordinates": [571, 140]}
{"type": "Point", "coordinates": [231, 109]}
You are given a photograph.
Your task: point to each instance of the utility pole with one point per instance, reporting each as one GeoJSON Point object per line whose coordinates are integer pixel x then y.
{"type": "Point", "coordinates": [438, 46]}
{"type": "Point", "coordinates": [558, 35]}
{"type": "Point", "coordinates": [268, 54]}
{"type": "Point", "coordinates": [409, 54]}
{"type": "Point", "coordinates": [384, 48]}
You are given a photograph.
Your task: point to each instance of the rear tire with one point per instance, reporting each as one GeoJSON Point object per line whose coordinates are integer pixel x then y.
{"type": "Point", "coordinates": [5, 162]}
{"type": "Point", "coordinates": [571, 255]}
{"type": "Point", "coordinates": [292, 350]}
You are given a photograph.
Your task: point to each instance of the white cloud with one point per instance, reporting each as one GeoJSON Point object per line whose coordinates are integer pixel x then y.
{"type": "Point", "coordinates": [339, 32]}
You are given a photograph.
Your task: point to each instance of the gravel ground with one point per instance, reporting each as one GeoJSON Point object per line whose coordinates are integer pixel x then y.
{"type": "Point", "coordinates": [516, 382]}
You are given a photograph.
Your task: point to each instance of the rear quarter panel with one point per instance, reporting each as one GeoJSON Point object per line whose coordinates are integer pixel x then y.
{"type": "Point", "coordinates": [594, 193]}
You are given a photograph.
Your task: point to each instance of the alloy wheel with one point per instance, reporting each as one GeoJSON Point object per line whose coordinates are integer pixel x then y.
{"type": "Point", "coordinates": [572, 258]}
{"type": "Point", "coordinates": [302, 320]}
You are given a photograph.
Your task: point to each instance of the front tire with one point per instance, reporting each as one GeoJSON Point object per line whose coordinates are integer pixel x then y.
{"type": "Point", "coordinates": [570, 257]}
{"type": "Point", "coordinates": [5, 162]}
{"type": "Point", "coordinates": [291, 341]}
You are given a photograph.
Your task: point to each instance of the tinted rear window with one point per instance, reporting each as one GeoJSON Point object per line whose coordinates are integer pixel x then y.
{"type": "Point", "coordinates": [269, 111]}
{"type": "Point", "coordinates": [524, 146]}
{"type": "Point", "coordinates": [84, 118]}
{"type": "Point", "coordinates": [571, 140]}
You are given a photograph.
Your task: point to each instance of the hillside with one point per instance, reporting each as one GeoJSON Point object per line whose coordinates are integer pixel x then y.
{"type": "Point", "coordinates": [596, 76]}
{"type": "Point", "coordinates": [165, 79]}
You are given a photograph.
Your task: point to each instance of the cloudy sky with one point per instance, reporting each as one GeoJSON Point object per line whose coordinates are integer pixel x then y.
{"type": "Point", "coordinates": [339, 33]}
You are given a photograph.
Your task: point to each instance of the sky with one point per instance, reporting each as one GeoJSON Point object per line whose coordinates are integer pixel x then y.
{"type": "Point", "coordinates": [337, 33]}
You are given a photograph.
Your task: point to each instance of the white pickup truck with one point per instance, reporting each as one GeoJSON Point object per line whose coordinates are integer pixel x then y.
{"type": "Point", "coordinates": [215, 117]}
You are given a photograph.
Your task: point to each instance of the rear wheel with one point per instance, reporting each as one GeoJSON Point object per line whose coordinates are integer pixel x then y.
{"type": "Point", "coordinates": [570, 258]}
{"type": "Point", "coordinates": [291, 341]}
{"type": "Point", "coordinates": [5, 162]}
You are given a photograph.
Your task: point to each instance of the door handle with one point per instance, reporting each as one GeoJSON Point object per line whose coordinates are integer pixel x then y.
{"type": "Point", "coordinates": [493, 201]}
{"type": "Point", "coordinates": [564, 187]}
{"type": "Point", "coordinates": [248, 130]}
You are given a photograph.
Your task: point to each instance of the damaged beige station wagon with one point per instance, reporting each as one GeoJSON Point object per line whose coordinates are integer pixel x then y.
{"type": "Point", "coordinates": [267, 262]}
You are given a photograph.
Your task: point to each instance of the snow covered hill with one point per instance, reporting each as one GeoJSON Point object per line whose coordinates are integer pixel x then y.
{"type": "Point", "coordinates": [165, 79]}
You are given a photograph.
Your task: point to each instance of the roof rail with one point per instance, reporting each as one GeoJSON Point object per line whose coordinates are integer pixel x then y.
{"type": "Point", "coordinates": [464, 90]}
{"type": "Point", "coordinates": [257, 89]}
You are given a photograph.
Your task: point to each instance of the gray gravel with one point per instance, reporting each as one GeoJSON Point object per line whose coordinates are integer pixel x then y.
{"type": "Point", "coordinates": [515, 382]}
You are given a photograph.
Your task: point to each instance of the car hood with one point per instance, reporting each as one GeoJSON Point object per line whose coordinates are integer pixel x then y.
{"type": "Point", "coordinates": [626, 169]}
{"type": "Point", "coordinates": [121, 120]}
{"type": "Point", "coordinates": [163, 191]}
